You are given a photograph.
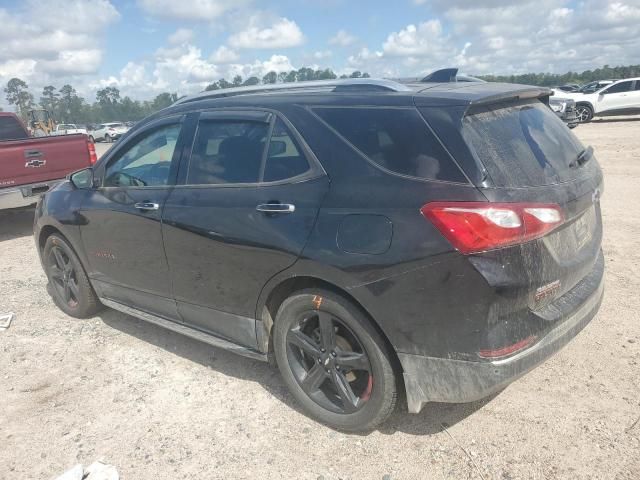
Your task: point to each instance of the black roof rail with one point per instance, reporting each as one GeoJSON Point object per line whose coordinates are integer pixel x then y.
{"type": "Point", "coordinates": [345, 85]}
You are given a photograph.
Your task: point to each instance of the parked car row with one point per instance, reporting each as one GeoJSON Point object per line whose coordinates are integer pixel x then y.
{"type": "Point", "coordinates": [605, 98]}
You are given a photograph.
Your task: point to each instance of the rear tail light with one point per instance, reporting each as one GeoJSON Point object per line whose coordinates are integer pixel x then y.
{"type": "Point", "coordinates": [93, 157]}
{"type": "Point", "coordinates": [479, 226]}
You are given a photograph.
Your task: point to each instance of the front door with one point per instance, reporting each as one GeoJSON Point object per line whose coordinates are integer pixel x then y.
{"type": "Point", "coordinates": [247, 202]}
{"type": "Point", "coordinates": [122, 232]}
{"type": "Point", "coordinates": [617, 97]}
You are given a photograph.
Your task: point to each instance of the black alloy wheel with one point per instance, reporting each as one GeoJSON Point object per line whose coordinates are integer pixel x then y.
{"type": "Point", "coordinates": [63, 276]}
{"type": "Point", "coordinates": [68, 285]}
{"type": "Point", "coordinates": [329, 362]}
{"type": "Point", "coordinates": [334, 361]}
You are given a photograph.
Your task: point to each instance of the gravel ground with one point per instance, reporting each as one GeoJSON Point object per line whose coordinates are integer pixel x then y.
{"type": "Point", "coordinates": [160, 406]}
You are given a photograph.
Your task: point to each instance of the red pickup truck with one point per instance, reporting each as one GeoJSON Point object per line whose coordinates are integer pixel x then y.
{"type": "Point", "coordinates": [30, 166]}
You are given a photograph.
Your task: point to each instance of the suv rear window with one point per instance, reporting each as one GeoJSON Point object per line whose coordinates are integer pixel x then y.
{"type": "Point", "coordinates": [10, 129]}
{"type": "Point", "coordinates": [523, 144]}
{"type": "Point", "coordinates": [397, 139]}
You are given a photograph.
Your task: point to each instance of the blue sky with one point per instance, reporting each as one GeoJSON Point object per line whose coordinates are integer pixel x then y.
{"type": "Point", "coordinates": [144, 47]}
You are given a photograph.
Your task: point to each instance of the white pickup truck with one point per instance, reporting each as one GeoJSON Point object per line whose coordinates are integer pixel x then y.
{"type": "Point", "coordinates": [68, 129]}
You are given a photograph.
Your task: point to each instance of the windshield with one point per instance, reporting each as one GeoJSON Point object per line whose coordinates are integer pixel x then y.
{"type": "Point", "coordinates": [523, 144]}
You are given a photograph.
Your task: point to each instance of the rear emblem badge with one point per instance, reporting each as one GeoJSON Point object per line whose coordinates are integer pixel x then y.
{"type": "Point", "coordinates": [547, 290]}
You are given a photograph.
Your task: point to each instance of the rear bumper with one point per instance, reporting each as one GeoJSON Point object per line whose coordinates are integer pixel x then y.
{"type": "Point", "coordinates": [24, 195]}
{"type": "Point", "coordinates": [430, 379]}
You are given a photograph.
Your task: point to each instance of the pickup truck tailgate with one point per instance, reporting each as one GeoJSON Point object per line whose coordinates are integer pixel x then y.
{"type": "Point", "coordinates": [33, 160]}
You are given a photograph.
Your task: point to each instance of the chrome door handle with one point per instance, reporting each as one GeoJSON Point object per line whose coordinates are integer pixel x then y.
{"type": "Point", "coordinates": [146, 206]}
{"type": "Point", "coordinates": [276, 208]}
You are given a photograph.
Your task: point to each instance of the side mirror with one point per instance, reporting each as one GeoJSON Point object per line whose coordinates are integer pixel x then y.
{"type": "Point", "coordinates": [277, 147]}
{"type": "Point", "coordinates": [82, 179]}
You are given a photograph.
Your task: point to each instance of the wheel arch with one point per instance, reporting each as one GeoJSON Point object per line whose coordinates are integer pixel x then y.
{"type": "Point", "coordinates": [270, 303]}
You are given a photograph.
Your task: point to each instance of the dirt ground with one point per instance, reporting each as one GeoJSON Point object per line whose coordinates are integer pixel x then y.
{"type": "Point", "coordinates": [160, 406]}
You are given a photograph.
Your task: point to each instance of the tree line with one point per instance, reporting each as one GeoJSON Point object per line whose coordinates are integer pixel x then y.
{"type": "Point", "coordinates": [553, 79]}
{"type": "Point", "coordinates": [301, 75]}
{"type": "Point", "coordinates": [66, 106]}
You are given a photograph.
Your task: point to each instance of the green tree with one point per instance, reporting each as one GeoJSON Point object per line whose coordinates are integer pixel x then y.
{"type": "Point", "coordinates": [237, 81]}
{"type": "Point", "coordinates": [164, 100]}
{"type": "Point", "coordinates": [251, 81]}
{"type": "Point", "coordinates": [271, 77]}
{"type": "Point", "coordinates": [18, 94]}
{"type": "Point", "coordinates": [49, 99]}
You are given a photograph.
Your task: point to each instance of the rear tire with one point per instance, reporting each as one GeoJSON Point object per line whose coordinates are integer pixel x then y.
{"type": "Point", "coordinates": [107, 138]}
{"type": "Point", "coordinates": [584, 113]}
{"type": "Point", "coordinates": [69, 285]}
{"type": "Point", "coordinates": [349, 384]}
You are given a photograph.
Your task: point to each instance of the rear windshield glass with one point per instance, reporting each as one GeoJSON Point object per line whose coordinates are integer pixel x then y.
{"type": "Point", "coordinates": [396, 139]}
{"type": "Point", "coordinates": [523, 144]}
{"type": "Point", "coordinates": [10, 129]}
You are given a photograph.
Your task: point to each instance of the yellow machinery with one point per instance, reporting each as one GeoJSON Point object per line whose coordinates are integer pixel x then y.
{"type": "Point", "coordinates": [41, 123]}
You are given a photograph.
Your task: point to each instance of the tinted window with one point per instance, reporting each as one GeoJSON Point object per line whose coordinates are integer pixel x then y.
{"type": "Point", "coordinates": [637, 85]}
{"type": "Point", "coordinates": [396, 139]}
{"type": "Point", "coordinates": [523, 144]}
{"type": "Point", "coordinates": [147, 162]}
{"type": "Point", "coordinates": [619, 87]}
{"type": "Point", "coordinates": [10, 129]}
{"type": "Point", "coordinates": [227, 152]}
{"type": "Point", "coordinates": [284, 159]}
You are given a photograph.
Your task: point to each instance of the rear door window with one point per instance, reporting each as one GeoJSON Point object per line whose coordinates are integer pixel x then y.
{"type": "Point", "coordinates": [523, 144]}
{"type": "Point", "coordinates": [396, 139]}
{"type": "Point", "coordinates": [284, 159]}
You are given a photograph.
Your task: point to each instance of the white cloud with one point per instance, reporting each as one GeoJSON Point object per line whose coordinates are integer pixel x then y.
{"type": "Point", "coordinates": [506, 37]}
{"type": "Point", "coordinates": [53, 42]}
{"type": "Point", "coordinates": [193, 10]}
{"type": "Point", "coordinates": [322, 55]}
{"type": "Point", "coordinates": [73, 62]}
{"type": "Point", "coordinates": [282, 33]}
{"type": "Point", "coordinates": [224, 55]}
{"type": "Point", "coordinates": [342, 38]}
{"type": "Point", "coordinates": [182, 35]}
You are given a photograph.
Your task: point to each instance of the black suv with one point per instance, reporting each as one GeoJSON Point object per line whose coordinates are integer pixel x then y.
{"type": "Point", "coordinates": [370, 237]}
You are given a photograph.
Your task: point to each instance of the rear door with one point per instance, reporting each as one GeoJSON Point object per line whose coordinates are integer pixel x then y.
{"type": "Point", "coordinates": [245, 205]}
{"type": "Point", "coordinates": [121, 229]}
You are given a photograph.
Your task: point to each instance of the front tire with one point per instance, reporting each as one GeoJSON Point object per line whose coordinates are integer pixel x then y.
{"type": "Point", "coordinates": [584, 113]}
{"type": "Point", "coordinates": [68, 283]}
{"type": "Point", "coordinates": [107, 138]}
{"type": "Point", "coordinates": [334, 362]}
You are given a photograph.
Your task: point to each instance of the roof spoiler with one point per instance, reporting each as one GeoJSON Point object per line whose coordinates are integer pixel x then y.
{"type": "Point", "coordinates": [524, 93]}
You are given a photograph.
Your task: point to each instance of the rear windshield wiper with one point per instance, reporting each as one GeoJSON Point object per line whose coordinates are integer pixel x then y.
{"type": "Point", "coordinates": [583, 157]}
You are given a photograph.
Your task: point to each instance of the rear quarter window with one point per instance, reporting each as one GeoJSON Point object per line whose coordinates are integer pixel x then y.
{"type": "Point", "coordinates": [396, 139]}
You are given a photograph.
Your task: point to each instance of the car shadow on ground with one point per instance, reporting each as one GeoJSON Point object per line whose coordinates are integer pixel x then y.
{"type": "Point", "coordinates": [428, 422]}
{"type": "Point", "coordinates": [16, 223]}
{"type": "Point", "coordinates": [615, 119]}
